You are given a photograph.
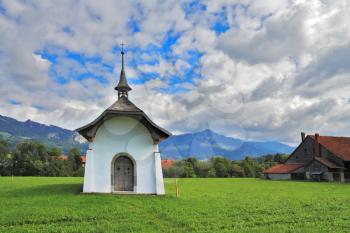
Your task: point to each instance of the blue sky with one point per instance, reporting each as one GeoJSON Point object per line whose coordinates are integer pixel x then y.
{"type": "Point", "coordinates": [250, 69]}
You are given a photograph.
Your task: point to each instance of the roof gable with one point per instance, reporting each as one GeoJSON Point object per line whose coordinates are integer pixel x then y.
{"type": "Point", "coordinates": [297, 148]}
{"type": "Point", "coordinates": [124, 107]}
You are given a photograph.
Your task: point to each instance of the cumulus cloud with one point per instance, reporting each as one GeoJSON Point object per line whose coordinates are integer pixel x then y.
{"type": "Point", "coordinates": [268, 71]}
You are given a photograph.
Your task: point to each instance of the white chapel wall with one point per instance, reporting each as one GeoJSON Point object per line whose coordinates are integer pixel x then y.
{"type": "Point", "coordinates": [122, 134]}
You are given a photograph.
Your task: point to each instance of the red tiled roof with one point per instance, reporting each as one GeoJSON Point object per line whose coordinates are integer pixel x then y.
{"type": "Point", "coordinates": [284, 168]}
{"type": "Point", "coordinates": [83, 158]}
{"type": "Point", "coordinates": [63, 157]}
{"type": "Point", "coordinates": [326, 162]}
{"type": "Point", "coordinates": [340, 146]}
{"type": "Point", "coordinates": [167, 163]}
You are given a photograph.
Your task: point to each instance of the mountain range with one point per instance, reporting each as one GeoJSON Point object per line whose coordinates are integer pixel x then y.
{"type": "Point", "coordinates": [16, 131]}
{"type": "Point", "coordinates": [205, 144]}
{"type": "Point", "coordinates": [202, 145]}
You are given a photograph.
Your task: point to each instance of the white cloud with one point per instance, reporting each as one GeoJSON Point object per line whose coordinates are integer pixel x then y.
{"type": "Point", "coordinates": [280, 68]}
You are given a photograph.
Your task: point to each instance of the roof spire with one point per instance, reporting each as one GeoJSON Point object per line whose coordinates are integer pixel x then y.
{"type": "Point", "coordinates": [122, 52]}
{"type": "Point", "coordinates": [123, 87]}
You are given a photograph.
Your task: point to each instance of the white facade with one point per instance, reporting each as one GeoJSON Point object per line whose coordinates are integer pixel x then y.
{"type": "Point", "coordinates": [123, 136]}
{"type": "Point", "coordinates": [275, 176]}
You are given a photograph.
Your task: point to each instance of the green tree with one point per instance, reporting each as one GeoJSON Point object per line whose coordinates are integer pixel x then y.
{"type": "Point", "coordinates": [55, 152]}
{"type": "Point", "coordinates": [237, 170]}
{"type": "Point", "coordinates": [5, 159]}
{"type": "Point", "coordinates": [29, 158]}
{"type": "Point", "coordinates": [221, 166]}
{"type": "Point", "coordinates": [188, 170]}
{"type": "Point", "coordinates": [280, 158]}
{"type": "Point", "coordinates": [211, 172]}
{"type": "Point", "coordinates": [251, 167]}
{"type": "Point", "coordinates": [192, 161]}
{"type": "Point", "coordinates": [202, 168]}
{"type": "Point", "coordinates": [74, 158]}
{"type": "Point", "coordinates": [57, 167]}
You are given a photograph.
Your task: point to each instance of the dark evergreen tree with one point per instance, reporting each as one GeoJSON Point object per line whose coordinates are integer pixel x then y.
{"type": "Point", "coordinates": [5, 159]}
{"type": "Point", "coordinates": [188, 170]}
{"type": "Point", "coordinates": [74, 158]}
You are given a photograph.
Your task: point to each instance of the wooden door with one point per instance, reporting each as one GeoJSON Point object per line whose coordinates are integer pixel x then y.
{"type": "Point", "coordinates": [123, 174]}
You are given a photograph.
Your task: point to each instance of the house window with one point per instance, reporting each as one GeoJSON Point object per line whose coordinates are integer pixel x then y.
{"type": "Point", "coordinates": [305, 150]}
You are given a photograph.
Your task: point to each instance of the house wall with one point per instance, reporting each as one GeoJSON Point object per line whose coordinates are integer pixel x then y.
{"type": "Point", "coordinates": [304, 152]}
{"type": "Point", "coordinates": [315, 166]}
{"type": "Point", "coordinates": [123, 135]}
{"type": "Point", "coordinates": [278, 176]}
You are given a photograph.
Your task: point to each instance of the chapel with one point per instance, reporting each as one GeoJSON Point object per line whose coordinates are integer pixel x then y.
{"type": "Point", "coordinates": [123, 154]}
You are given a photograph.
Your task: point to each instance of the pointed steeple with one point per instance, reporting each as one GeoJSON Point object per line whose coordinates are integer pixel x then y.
{"type": "Point", "coordinates": [123, 87]}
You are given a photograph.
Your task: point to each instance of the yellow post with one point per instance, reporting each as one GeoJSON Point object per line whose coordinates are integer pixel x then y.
{"type": "Point", "coordinates": [177, 187]}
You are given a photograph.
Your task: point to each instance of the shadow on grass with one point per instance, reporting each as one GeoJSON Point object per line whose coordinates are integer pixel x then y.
{"type": "Point", "coordinates": [46, 190]}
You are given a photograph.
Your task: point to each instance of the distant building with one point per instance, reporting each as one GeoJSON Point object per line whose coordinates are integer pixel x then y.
{"type": "Point", "coordinates": [320, 158]}
{"type": "Point", "coordinates": [167, 163]}
{"type": "Point", "coordinates": [83, 160]}
{"type": "Point", "coordinates": [123, 155]}
{"type": "Point", "coordinates": [63, 157]}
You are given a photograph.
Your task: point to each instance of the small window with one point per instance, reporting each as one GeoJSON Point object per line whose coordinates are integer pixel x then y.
{"type": "Point", "coordinates": [305, 150]}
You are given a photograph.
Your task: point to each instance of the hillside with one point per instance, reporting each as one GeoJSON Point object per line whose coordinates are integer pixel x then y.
{"type": "Point", "coordinates": [16, 131]}
{"type": "Point", "coordinates": [202, 145]}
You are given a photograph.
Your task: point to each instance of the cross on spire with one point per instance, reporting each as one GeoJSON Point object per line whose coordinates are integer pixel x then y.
{"type": "Point", "coordinates": [122, 44]}
{"type": "Point", "coordinates": [123, 87]}
{"type": "Point", "coordinates": [122, 52]}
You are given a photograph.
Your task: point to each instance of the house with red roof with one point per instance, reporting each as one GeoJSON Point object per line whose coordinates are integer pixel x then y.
{"type": "Point", "coordinates": [167, 163]}
{"type": "Point", "coordinates": [63, 157]}
{"type": "Point", "coordinates": [83, 160]}
{"type": "Point", "coordinates": [316, 158]}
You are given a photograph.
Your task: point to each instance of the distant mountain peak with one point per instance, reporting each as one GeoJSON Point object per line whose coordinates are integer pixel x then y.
{"type": "Point", "coordinates": [206, 131]}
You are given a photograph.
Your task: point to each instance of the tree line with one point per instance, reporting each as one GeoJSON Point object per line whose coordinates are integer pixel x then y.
{"type": "Point", "coordinates": [31, 158]}
{"type": "Point", "coordinates": [219, 166]}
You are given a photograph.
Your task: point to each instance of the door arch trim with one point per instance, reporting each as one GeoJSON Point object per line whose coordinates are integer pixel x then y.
{"type": "Point", "coordinates": [123, 154]}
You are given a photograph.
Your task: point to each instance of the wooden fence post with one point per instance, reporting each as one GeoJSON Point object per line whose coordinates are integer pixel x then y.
{"type": "Point", "coordinates": [177, 187]}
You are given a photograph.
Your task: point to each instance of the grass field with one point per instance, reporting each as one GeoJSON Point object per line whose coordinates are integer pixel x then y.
{"type": "Point", "coordinates": [40, 204]}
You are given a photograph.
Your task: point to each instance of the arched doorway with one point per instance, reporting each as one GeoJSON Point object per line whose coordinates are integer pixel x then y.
{"type": "Point", "coordinates": [123, 174]}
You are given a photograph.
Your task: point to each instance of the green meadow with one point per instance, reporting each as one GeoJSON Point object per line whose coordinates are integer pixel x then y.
{"type": "Point", "coordinates": [43, 204]}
